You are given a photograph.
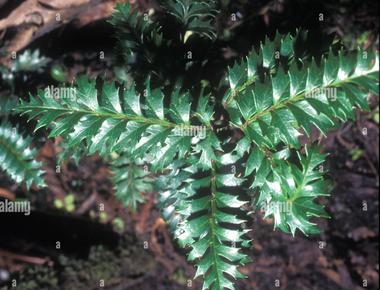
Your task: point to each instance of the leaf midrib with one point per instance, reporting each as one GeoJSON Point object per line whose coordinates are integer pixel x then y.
{"type": "Point", "coordinates": [213, 225]}
{"type": "Point", "coordinates": [118, 116]}
{"type": "Point", "coordinates": [297, 98]}
{"type": "Point", "coordinates": [138, 119]}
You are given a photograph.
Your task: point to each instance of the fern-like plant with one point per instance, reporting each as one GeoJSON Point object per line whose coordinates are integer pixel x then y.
{"type": "Point", "coordinates": [162, 41]}
{"type": "Point", "coordinates": [17, 158]}
{"type": "Point", "coordinates": [218, 159]}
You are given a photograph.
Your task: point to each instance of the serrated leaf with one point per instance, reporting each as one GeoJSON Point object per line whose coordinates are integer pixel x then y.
{"type": "Point", "coordinates": [105, 123]}
{"type": "Point", "coordinates": [131, 180]}
{"type": "Point", "coordinates": [284, 122]}
{"type": "Point", "coordinates": [290, 198]}
{"type": "Point", "coordinates": [194, 16]}
{"type": "Point", "coordinates": [17, 158]}
{"type": "Point", "coordinates": [254, 161]}
{"type": "Point", "coordinates": [206, 234]}
{"type": "Point", "coordinates": [288, 104]}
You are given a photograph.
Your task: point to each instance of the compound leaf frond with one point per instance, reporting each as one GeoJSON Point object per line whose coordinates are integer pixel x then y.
{"type": "Point", "coordinates": [18, 159]}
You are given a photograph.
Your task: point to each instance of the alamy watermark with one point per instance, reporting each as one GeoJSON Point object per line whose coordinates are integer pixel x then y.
{"type": "Point", "coordinates": [61, 93]}
{"type": "Point", "coordinates": [190, 131]}
{"type": "Point", "coordinates": [330, 93]}
{"type": "Point", "coordinates": [8, 206]}
{"type": "Point", "coordinates": [281, 207]}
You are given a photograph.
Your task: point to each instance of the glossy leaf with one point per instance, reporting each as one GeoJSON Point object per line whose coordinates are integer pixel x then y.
{"type": "Point", "coordinates": [132, 180]}
{"type": "Point", "coordinates": [18, 159]}
{"type": "Point", "coordinates": [289, 104]}
{"type": "Point", "coordinates": [289, 195]}
{"type": "Point", "coordinates": [195, 16]}
{"type": "Point", "coordinates": [207, 228]}
{"type": "Point", "coordinates": [107, 123]}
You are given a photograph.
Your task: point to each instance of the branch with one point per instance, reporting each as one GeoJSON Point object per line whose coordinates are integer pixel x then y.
{"type": "Point", "coordinates": [35, 18]}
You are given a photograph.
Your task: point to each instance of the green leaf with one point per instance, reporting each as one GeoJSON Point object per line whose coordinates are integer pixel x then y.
{"type": "Point", "coordinates": [237, 75]}
{"type": "Point", "coordinates": [290, 197]}
{"type": "Point", "coordinates": [29, 61]}
{"type": "Point", "coordinates": [267, 51]}
{"type": "Point", "coordinates": [109, 133]}
{"type": "Point", "coordinates": [290, 103]}
{"type": "Point", "coordinates": [262, 173]}
{"type": "Point", "coordinates": [111, 98]}
{"type": "Point", "coordinates": [131, 181]}
{"type": "Point", "coordinates": [105, 123]}
{"type": "Point", "coordinates": [6, 105]}
{"type": "Point", "coordinates": [254, 161]}
{"type": "Point", "coordinates": [87, 127]}
{"type": "Point", "coordinates": [205, 226]}
{"type": "Point", "coordinates": [206, 148]}
{"type": "Point", "coordinates": [87, 94]}
{"type": "Point", "coordinates": [167, 154]}
{"type": "Point", "coordinates": [132, 102]}
{"type": "Point", "coordinates": [280, 83]}
{"type": "Point", "coordinates": [136, 33]}
{"type": "Point", "coordinates": [245, 73]}
{"type": "Point", "coordinates": [18, 159]}
{"type": "Point", "coordinates": [193, 16]}
{"type": "Point", "coordinates": [180, 107]}
{"type": "Point", "coordinates": [284, 122]}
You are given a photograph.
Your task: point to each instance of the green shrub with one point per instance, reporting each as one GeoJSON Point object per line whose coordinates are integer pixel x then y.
{"type": "Point", "coordinates": [216, 158]}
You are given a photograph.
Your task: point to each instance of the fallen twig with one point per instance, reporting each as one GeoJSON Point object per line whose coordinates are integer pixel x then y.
{"type": "Point", "coordinates": [26, 259]}
{"type": "Point", "coordinates": [35, 18]}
